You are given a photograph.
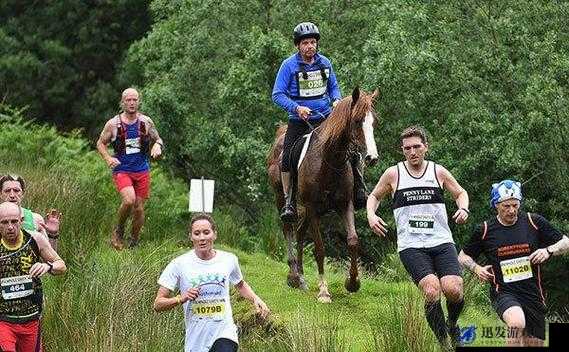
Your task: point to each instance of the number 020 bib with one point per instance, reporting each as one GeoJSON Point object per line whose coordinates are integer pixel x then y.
{"type": "Point", "coordinates": [516, 269]}
{"type": "Point", "coordinates": [16, 287]}
{"type": "Point", "coordinates": [209, 309]}
{"type": "Point", "coordinates": [421, 224]}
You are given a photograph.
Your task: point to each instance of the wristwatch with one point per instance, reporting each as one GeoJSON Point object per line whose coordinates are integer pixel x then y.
{"type": "Point", "coordinates": [548, 251]}
{"type": "Point", "coordinates": [50, 267]}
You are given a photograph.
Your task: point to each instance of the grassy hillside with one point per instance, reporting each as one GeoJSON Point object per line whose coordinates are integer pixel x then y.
{"type": "Point", "coordinates": [104, 302]}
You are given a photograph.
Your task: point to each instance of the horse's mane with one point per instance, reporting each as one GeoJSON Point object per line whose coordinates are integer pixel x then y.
{"type": "Point", "coordinates": [340, 119]}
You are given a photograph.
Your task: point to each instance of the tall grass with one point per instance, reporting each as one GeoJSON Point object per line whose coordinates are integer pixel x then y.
{"type": "Point", "coordinates": [104, 301]}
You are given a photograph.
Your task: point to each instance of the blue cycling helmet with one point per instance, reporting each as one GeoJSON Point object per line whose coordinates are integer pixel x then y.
{"type": "Point", "coordinates": [505, 190]}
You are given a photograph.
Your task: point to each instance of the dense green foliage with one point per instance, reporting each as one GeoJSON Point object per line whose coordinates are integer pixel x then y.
{"type": "Point", "coordinates": [60, 58]}
{"type": "Point", "coordinates": [489, 81]}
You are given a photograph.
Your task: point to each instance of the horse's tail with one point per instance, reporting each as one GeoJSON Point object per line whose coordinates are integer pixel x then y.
{"type": "Point", "coordinates": [277, 146]}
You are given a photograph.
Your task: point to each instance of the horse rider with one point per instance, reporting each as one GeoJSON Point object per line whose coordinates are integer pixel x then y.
{"type": "Point", "coordinates": [307, 89]}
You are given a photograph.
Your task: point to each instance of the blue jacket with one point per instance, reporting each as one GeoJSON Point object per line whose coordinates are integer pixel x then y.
{"type": "Point", "coordinates": [294, 87]}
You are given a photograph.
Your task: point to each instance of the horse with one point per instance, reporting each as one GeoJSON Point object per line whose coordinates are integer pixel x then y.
{"type": "Point", "coordinates": [325, 183]}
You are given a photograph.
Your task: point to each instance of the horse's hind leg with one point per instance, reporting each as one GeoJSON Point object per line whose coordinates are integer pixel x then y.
{"type": "Point", "coordinates": [323, 294]}
{"type": "Point", "coordinates": [352, 283]}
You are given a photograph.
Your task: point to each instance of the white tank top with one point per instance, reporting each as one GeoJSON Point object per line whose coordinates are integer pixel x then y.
{"type": "Point", "coordinates": [419, 210]}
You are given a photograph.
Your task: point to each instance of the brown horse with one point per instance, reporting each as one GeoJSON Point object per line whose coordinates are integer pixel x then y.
{"type": "Point", "coordinates": [325, 183]}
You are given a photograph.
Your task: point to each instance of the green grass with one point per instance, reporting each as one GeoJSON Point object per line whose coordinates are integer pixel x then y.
{"type": "Point", "coordinates": [104, 302]}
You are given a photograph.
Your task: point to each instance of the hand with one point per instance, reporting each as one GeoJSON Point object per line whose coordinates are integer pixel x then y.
{"type": "Point", "coordinates": [539, 256]}
{"type": "Point", "coordinates": [484, 273]}
{"type": "Point", "coordinates": [377, 225]}
{"type": "Point", "coordinates": [460, 216]}
{"type": "Point", "coordinates": [52, 221]}
{"type": "Point", "coordinates": [190, 295]}
{"type": "Point", "coordinates": [304, 112]}
{"type": "Point", "coordinates": [335, 103]}
{"type": "Point", "coordinates": [113, 162]}
{"type": "Point", "coordinates": [39, 269]}
{"type": "Point", "coordinates": [261, 308]}
{"type": "Point", "coordinates": [156, 151]}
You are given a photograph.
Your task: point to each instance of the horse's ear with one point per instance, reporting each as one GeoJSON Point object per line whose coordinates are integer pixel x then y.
{"type": "Point", "coordinates": [376, 94]}
{"type": "Point", "coordinates": [355, 95]}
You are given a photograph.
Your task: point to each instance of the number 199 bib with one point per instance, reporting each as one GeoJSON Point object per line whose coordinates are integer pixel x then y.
{"type": "Point", "coordinates": [421, 224]}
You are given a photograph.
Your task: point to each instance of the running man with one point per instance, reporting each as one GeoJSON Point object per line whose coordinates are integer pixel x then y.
{"type": "Point", "coordinates": [134, 138]}
{"type": "Point", "coordinates": [515, 244]}
{"type": "Point", "coordinates": [12, 189]}
{"type": "Point", "coordinates": [24, 258]}
{"type": "Point", "coordinates": [424, 239]}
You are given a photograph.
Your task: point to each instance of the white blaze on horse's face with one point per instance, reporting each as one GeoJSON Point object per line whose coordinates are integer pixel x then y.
{"type": "Point", "coordinates": [371, 153]}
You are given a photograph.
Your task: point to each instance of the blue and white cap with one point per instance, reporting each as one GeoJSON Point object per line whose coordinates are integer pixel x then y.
{"type": "Point", "coordinates": [505, 190]}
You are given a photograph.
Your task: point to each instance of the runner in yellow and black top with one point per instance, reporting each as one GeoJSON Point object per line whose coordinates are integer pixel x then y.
{"type": "Point", "coordinates": [24, 258]}
{"type": "Point", "coordinates": [514, 243]}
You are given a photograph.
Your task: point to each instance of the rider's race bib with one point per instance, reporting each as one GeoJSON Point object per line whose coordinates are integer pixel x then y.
{"type": "Point", "coordinates": [421, 224]}
{"type": "Point", "coordinates": [16, 287]}
{"type": "Point", "coordinates": [132, 145]}
{"type": "Point", "coordinates": [209, 309]}
{"type": "Point", "coordinates": [516, 269]}
{"type": "Point", "coordinates": [314, 85]}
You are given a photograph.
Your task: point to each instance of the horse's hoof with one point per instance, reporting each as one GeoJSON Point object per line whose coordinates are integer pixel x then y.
{"type": "Point", "coordinates": [324, 298]}
{"type": "Point", "coordinates": [294, 281]}
{"type": "Point", "coordinates": [352, 285]}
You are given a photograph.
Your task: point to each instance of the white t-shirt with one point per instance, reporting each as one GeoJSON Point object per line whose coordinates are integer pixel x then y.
{"type": "Point", "coordinates": [209, 316]}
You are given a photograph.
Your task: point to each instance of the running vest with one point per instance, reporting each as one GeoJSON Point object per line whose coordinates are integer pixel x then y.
{"type": "Point", "coordinates": [28, 223]}
{"type": "Point", "coordinates": [21, 295]}
{"type": "Point", "coordinates": [131, 146]}
{"type": "Point", "coordinates": [419, 210]}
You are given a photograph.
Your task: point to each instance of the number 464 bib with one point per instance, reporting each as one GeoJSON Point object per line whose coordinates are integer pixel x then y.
{"type": "Point", "coordinates": [16, 287]}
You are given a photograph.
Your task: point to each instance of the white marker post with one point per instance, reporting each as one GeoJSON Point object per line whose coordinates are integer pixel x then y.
{"type": "Point", "coordinates": [201, 196]}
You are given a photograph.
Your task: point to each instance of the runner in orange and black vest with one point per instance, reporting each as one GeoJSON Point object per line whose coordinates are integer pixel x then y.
{"type": "Point", "coordinates": [515, 244]}
{"type": "Point", "coordinates": [134, 139]}
{"type": "Point", "coordinates": [24, 258]}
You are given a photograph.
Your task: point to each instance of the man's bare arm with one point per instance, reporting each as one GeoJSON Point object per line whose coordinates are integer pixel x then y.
{"type": "Point", "coordinates": [458, 193]}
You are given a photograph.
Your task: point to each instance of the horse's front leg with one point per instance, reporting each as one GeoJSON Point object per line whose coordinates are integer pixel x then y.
{"type": "Point", "coordinates": [323, 294]}
{"type": "Point", "coordinates": [300, 235]}
{"type": "Point", "coordinates": [293, 278]}
{"type": "Point", "coordinates": [352, 282]}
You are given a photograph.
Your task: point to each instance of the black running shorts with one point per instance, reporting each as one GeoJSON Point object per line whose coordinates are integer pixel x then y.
{"type": "Point", "coordinates": [441, 260]}
{"type": "Point", "coordinates": [534, 311]}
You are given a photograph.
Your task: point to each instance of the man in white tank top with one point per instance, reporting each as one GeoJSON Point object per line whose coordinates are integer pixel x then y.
{"type": "Point", "coordinates": [424, 240]}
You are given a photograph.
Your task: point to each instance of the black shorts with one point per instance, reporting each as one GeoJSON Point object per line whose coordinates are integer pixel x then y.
{"type": "Point", "coordinates": [441, 260]}
{"type": "Point", "coordinates": [294, 131]}
{"type": "Point", "coordinates": [224, 345]}
{"type": "Point", "coordinates": [534, 311]}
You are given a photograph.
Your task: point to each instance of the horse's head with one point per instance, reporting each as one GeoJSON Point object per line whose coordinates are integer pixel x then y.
{"type": "Point", "coordinates": [363, 121]}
